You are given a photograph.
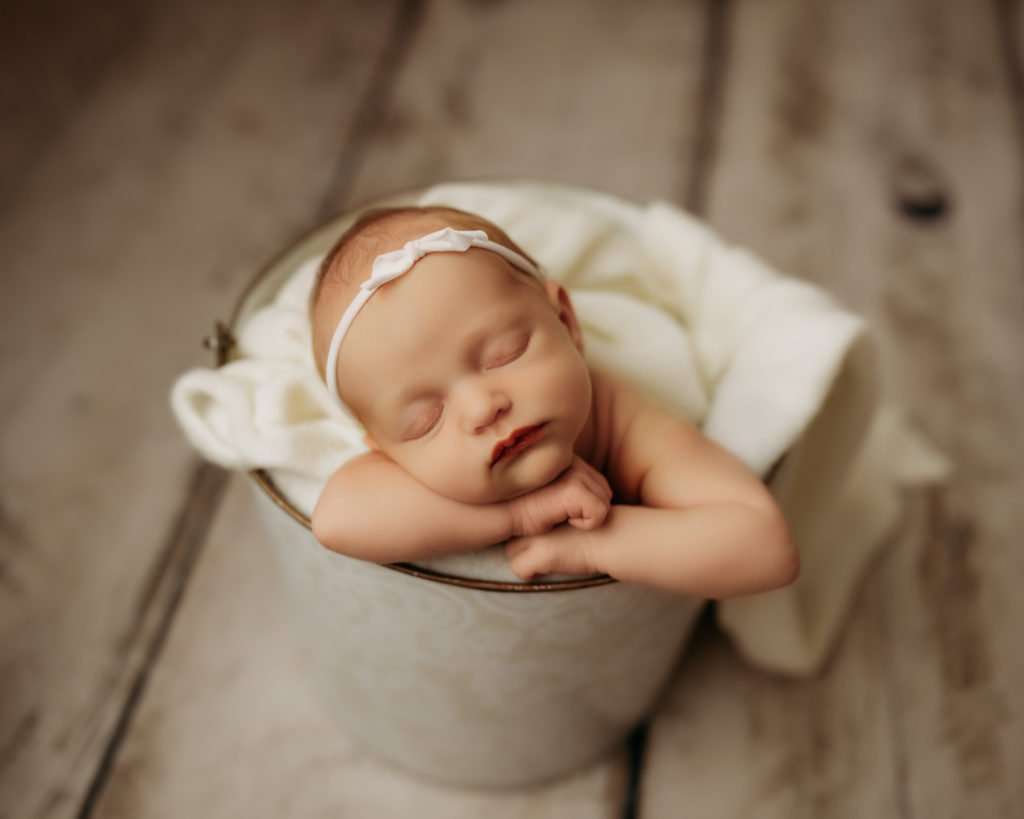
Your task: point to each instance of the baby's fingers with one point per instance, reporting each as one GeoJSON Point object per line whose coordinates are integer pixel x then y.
{"type": "Point", "coordinates": [529, 557]}
{"type": "Point", "coordinates": [516, 546]}
{"type": "Point", "coordinates": [590, 514]}
{"type": "Point", "coordinates": [595, 481]}
{"type": "Point", "coordinates": [586, 523]}
{"type": "Point", "coordinates": [598, 487]}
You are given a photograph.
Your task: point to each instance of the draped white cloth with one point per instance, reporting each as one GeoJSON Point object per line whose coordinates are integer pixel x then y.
{"type": "Point", "coordinates": [767, 365]}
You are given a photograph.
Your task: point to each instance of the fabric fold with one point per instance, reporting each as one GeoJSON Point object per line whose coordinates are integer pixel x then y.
{"type": "Point", "coordinates": [767, 365]}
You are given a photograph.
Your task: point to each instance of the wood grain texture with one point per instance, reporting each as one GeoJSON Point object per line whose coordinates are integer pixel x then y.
{"type": "Point", "coordinates": [731, 741]}
{"type": "Point", "coordinates": [871, 148]}
{"type": "Point", "coordinates": [601, 94]}
{"type": "Point", "coordinates": [954, 607]}
{"type": "Point", "coordinates": [189, 161]}
{"type": "Point", "coordinates": [52, 62]}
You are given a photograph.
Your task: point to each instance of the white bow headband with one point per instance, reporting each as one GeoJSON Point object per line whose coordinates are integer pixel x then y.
{"type": "Point", "coordinates": [391, 265]}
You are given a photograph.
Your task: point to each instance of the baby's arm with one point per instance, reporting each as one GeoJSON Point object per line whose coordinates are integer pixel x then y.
{"type": "Point", "coordinates": [373, 509]}
{"type": "Point", "coordinates": [707, 527]}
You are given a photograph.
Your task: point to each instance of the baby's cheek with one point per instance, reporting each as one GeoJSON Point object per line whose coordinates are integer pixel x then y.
{"type": "Point", "coordinates": [569, 384]}
{"type": "Point", "coordinates": [454, 478]}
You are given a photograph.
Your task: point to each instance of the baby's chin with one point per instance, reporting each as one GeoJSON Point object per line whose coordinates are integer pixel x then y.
{"type": "Point", "coordinates": [521, 478]}
{"type": "Point", "coordinates": [529, 479]}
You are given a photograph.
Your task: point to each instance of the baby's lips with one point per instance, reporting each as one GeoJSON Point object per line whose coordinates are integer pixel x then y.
{"type": "Point", "coordinates": [507, 443]}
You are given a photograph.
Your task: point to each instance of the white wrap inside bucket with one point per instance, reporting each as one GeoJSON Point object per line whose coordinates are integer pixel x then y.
{"type": "Point", "coordinates": [472, 677]}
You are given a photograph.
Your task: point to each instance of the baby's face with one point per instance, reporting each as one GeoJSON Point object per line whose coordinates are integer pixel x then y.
{"type": "Point", "coordinates": [453, 357]}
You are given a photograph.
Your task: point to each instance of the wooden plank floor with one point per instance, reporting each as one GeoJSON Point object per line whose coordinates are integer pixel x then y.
{"type": "Point", "coordinates": [881, 141]}
{"type": "Point", "coordinates": [153, 156]}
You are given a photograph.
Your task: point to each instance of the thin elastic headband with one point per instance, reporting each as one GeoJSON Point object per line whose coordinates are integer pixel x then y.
{"type": "Point", "coordinates": [389, 266]}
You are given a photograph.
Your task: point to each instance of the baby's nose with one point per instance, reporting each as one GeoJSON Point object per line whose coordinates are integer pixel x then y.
{"type": "Point", "coordinates": [484, 407]}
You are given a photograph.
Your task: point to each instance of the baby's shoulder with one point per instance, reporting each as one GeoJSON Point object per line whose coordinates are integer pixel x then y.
{"type": "Point", "coordinates": [617, 404]}
{"type": "Point", "coordinates": [617, 399]}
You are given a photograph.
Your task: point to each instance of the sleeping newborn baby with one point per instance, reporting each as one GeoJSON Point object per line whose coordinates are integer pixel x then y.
{"type": "Point", "coordinates": [464, 364]}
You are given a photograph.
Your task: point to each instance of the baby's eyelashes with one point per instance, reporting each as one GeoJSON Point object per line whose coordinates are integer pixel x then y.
{"type": "Point", "coordinates": [427, 423]}
{"type": "Point", "coordinates": [503, 354]}
{"type": "Point", "coordinates": [509, 353]}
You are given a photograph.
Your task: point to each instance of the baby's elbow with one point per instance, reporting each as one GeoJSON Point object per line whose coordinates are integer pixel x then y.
{"type": "Point", "coordinates": [783, 567]}
{"type": "Point", "coordinates": [787, 567]}
{"type": "Point", "coordinates": [347, 532]}
{"type": "Point", "coordinates": [324, 529]}
{"type": "Point", "coordinates": [326, 523]}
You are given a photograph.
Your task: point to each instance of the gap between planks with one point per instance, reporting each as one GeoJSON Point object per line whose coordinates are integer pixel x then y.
{"type": "Point", "coordinates": [168, 581]}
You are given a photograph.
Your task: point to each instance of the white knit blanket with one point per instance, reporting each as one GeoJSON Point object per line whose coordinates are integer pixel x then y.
{"type": "Point", "coordinates": [765, 364]}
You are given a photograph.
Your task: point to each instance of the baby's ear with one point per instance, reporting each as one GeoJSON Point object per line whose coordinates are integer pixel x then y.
{"type": "Point", "coordinates": [559, 298]}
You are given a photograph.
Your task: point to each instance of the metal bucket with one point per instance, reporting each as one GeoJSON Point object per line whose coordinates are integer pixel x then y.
{"type": "Point", "coordinates": [464, 681]}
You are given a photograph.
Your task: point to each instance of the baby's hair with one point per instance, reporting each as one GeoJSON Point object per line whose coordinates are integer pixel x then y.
{"type": "Point", "coordinates": [347, 262]}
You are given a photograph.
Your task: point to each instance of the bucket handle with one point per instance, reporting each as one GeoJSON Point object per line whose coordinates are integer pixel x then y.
{"type": "Point", "coordinates": [220, 342]}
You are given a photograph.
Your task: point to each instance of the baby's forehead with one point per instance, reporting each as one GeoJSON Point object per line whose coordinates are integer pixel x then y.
{"type": "Point", "coordinates": [479, 280]}
{"type": "Point", "coordinates": [352, 266]}
{"type": "Point", "coordinates": [451, 291]}
{"type": "Point", "coordinates": [442, 312]}
{"type": "Point", "coordinates": [394, 230]}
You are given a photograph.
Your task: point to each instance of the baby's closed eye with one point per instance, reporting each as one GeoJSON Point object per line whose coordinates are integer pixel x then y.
{"type": "Point", "coordinates": [425, 421]}
{"type": "Point", "coordinates": [507, 350]}
{"type": "Point", "coordinates": [503, 352]}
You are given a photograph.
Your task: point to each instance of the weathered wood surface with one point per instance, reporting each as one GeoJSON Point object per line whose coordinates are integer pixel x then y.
{"type": "Point", "coordinates": [150, 180]}
{"type": "Point", "coordinates": [589, 93]}
{"type": "Point", "coordinates": [175, 149]}
{"type": "Point", "coordinates": [874, 148]}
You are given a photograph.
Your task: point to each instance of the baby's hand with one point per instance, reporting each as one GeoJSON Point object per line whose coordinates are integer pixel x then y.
{"type": "Point", "coordinates": [580, 495]}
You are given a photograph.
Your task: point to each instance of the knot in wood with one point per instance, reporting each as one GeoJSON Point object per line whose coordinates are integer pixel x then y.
{"type": "Point", "coordinates": [919, 189]}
